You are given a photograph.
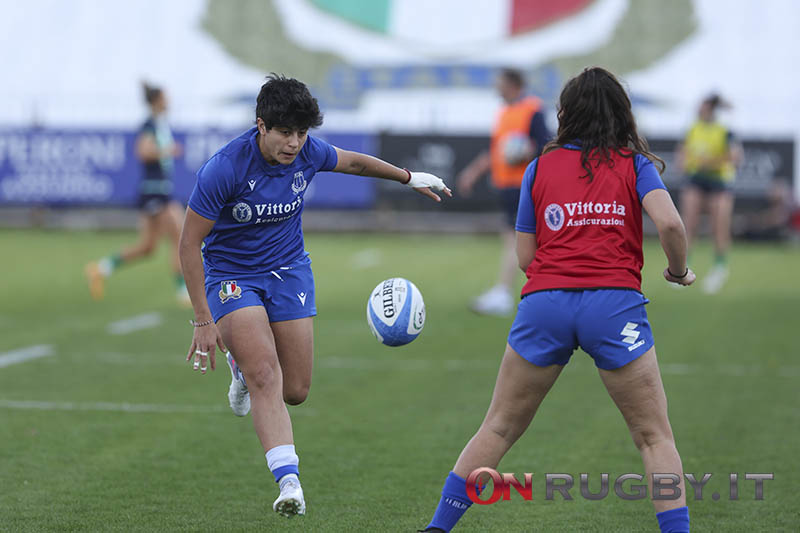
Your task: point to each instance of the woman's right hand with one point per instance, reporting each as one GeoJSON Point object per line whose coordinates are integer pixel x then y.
{"type": "Point", "coordinates": [202, 351]}
{"type": "Point", "coordinates": [685, 280]}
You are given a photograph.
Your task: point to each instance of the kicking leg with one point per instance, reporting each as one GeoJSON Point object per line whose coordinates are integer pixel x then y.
{"type": "Point", "coordinates": [294, 340]}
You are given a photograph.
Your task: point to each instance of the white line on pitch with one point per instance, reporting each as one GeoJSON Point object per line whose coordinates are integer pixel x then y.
{"type": "Point", "coordinates": [366, 258]}
{"type": "Point", "coordinates": [124, 407]}
{"type": "Point", "coordinates": [332, 362]}
{"type": "Point", "coordinates": [135, 323]}
{"type": "Point", "coordinates": [25, 354]}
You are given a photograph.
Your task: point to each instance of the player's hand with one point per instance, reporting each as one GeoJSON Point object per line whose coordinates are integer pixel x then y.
{"type": "Point", "coordinates": [203, 349]}
{"type": "Point", "coordinates": [686, 280]}
{"type": "Point", "coordinates": [422, 182]}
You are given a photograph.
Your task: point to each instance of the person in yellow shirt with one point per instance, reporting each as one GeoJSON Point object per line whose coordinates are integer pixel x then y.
{"type": "Point", "coordinates": [709, 156]}
{"type": "Point", "coordinates": [518, 135]}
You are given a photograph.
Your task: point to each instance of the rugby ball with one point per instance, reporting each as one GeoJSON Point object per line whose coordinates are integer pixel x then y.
{"type": "Point", "coordinates": [395, 312]}
{"type": "Point", "coordinates": [517, 149]}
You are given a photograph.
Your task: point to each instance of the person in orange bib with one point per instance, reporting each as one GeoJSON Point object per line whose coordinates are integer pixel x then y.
{"type": "Point", "coordinates": [518, 136]}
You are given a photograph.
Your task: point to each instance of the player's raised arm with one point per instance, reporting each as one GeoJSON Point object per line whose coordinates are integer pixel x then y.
{"type": "Point", "coordinates": [367, 165]}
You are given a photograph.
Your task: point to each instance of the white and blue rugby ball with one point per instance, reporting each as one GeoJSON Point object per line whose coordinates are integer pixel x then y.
{"type": "Point", "coordinates": [395, 312]}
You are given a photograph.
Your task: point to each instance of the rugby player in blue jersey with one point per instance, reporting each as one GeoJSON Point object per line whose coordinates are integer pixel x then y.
{"type": "Point", "coordinates": [252, 289]}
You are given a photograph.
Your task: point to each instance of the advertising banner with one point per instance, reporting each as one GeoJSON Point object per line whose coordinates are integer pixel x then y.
{"type": "Point", "coordinates": [49, 167]}
{"type": "Point", "coordinates": [765, 160]}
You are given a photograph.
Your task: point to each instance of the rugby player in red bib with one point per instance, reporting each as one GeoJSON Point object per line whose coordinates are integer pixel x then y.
{"type": "Point", "coordinates": [579, 241]}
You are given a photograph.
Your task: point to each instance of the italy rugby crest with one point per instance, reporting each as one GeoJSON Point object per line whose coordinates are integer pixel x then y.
{"type": "Point", "coordinates": [230, 290]}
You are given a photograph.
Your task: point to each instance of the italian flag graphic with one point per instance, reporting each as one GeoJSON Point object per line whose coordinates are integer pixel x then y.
{"type": "Point", "coordinates": [229, 287]}
{"type": "Point", "coordinates": [440, 21]}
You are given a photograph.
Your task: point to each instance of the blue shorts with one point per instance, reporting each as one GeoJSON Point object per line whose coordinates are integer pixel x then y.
{"type": "Point", "coordinates": [287, 293]}
{"type": "Point", "coordinates": [609, 324]}
{"type": "Point", "coordinates": [710, 184]}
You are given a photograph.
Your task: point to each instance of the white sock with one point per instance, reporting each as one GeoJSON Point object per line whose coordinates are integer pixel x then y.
{"type": "Point", "coordinates": [282, 461]}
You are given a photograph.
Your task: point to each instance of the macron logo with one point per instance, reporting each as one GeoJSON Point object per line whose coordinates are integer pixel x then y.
{"type": "Point", "coordinates": [302, 297]}
{"type": "Point", "coordinates": [252, 184]}
{"type": "Point", "coordinates": [630, 334]}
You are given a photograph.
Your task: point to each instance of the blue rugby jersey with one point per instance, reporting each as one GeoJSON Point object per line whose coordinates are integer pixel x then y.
{"type": "Point", "coordinates": [257, 206]}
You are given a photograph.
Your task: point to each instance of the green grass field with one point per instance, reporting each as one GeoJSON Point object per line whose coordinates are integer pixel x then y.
{"type": "Point", "coordinates": [382, 426]}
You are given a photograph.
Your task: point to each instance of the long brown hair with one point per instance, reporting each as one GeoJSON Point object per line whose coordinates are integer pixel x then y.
{"type": "Point", "coordinates": [595, 112]}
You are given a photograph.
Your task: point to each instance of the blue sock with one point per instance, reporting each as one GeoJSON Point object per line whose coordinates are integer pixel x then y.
{"type": "Point", "coordinates": [674, 520]}
{"type": "Point", "coordinates": [453, 504]}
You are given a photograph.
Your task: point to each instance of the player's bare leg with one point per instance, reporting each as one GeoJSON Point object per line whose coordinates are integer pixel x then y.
{"type": "Point", "coordinates": [638, 392]}
{"type": "Point", "coordinates": [149, 233]}
{"type": "Point", "coordinates": [520, 389]}
{"type": "Point", "coordinates": [171, 223]}
{"type": "Point", "coordinates": [498, 300]}
{"type": "Point", "coordinates": [509, 266]}
{"type": "Point", "coordinates": [691, 206]}
{"type": "Point", "coordinates": [98, 271]}
{"type": "Point", "coordinates": [518, 392]}
{"type": "Point", "coordinates": [721, 210]}
{"type": "Point", "coordinates": [247, 334]}
{"type": "Point", "coordinates": [294, 340]}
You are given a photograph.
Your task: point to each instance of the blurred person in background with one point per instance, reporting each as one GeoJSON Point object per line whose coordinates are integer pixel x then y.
{"type": "Point", "coordinates": [519, 134]}
{"type": "Point", "coordinates": [161, 215]}
{"type": "Point", "coordinates": [709, 156]}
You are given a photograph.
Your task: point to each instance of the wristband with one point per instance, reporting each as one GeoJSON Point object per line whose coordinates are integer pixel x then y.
{"type": "Point", "coordinates": [201, 324]}
{"type": "Point", "coordinates": [678, 277]}
{"type": "Point", "coordinates": [409, 177]}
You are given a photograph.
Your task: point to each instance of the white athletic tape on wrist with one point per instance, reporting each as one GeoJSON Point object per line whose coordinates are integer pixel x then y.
{"type": "Point", "coordinates": [423, 179]}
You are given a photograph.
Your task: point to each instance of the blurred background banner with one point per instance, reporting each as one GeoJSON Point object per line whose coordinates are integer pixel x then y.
{"type": "Point", "coordinates": [64, 168]}
{"type": "Point", "coordinates": [385, 68]}
{"type": "Point", "coordinates": [58, 167]}
{"type": "Point", "coordinates": [765, 161]}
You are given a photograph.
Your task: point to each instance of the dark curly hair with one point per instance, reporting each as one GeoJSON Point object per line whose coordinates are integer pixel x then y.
{"type": "Point", "coordinates": [287, 102]}
{"type": "Point", "coordinates": [595, 112]}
